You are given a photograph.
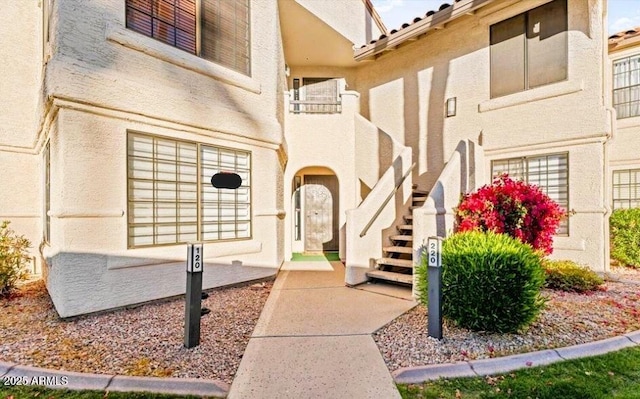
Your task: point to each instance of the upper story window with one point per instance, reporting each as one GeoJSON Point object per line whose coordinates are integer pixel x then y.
{"type": "Point", "coordinates": [217, 30]}
{"type": "Point", "coordinates": [530, 49]}
{"type": "Point", "coordinates": [316, 95]}
{"type": "Point", "coordinates": [626, 86]}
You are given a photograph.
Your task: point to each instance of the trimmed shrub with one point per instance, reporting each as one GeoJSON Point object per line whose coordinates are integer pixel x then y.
{"type": "Point", "coordinates": [13, 258]}
{"type": "Point", "coordinates": [422, 280]}
{"type": "Point", "coordinates": [512, 207]}
{"type": "Point", "coordinates": [625, 236]}
{"type": "Point", "coordinates": [491, 282]}
{"type": "Point", "coordinates": [566, 275]}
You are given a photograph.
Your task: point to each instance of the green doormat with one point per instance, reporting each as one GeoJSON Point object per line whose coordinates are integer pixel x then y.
{"type": "Point", "coordinates": [330, 256]}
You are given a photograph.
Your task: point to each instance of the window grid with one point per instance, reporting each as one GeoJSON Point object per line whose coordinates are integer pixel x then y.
{"type": "Point", "coordinates": [549, 172]}
{"type": "Point", "coordinates": [626, 189]}
{"type": "Point", "coordinates": [626, 86]}
{"type": "Point", "coordinates": [168, 186]}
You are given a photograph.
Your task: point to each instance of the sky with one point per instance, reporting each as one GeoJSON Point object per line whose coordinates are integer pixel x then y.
{"type": "Point", "coordinates": [623, 14]}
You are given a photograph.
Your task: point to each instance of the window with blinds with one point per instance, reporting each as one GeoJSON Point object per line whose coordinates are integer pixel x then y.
{"type": "Point", "coordinates": [549, 172]}
{"type": "Point", "coordinates": [170, 196]}
{"type": "Point", "coordinates": [626, 86]}
{"type": "Point", "coordinates": [626, 189]}
{"type": "Point", "coordinates": [530, 49]}
{"type": "Point", "coordinates": [217, 30]}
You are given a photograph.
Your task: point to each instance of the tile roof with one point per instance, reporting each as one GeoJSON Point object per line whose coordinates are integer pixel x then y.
{"type": "Point", "coordinates": [431, 20]}
{"type": "Point", "coordinates": [626, 38]}
{"type": "Point", "coordinates": [416, 19]}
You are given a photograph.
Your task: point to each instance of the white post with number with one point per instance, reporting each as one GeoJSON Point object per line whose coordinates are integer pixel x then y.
{"type": "Point", "coordinates": [434, 274]}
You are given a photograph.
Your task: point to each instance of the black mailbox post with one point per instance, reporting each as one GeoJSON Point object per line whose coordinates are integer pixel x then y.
{"type": "Point", "coordinates": [195, 265]}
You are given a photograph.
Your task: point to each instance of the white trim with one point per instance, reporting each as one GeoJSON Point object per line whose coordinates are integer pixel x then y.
{"type": "Point", "coordinates": [86, 213]}
{"type": "Point", "coordinates": [136, 41]}
{"type": "Point", "coordinates": [536, 94]}
{"type": "Point", "coordinates": [540, 147]}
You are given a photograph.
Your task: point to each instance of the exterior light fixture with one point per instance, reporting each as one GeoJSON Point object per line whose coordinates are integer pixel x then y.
{"type": "Point", "coordinates": [451, 107]}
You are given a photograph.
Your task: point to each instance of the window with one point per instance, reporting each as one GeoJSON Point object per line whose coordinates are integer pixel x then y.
{"type": "Point", "coordinates": [217, 30]}
{"type": "Point", "coordinates": [317, 95]}
{"type": "Point", "coordinates": [626, 188]}
{"type": "Point", "coordinates": [529, 50]}
{"type": "Point", "coordinates": [46, 218]}
{"type": "Point", "coordinates": [626, 86]}
{"type": "Point", "coordinates": [549, 172]}
{"type": "Point", "coordinates": [171, 199]}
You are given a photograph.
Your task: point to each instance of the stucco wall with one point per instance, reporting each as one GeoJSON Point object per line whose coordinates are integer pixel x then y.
{"type": "Point", "coordinates": [20, 82]}
{"type": "Point", "coordinates": [350, 18]}
{"type": "Point", "coordinates": [89, 225]}
{"type": "Point", "coordinates": [404, 93]}
{"type": "Point", "coordinates": [104, 80]}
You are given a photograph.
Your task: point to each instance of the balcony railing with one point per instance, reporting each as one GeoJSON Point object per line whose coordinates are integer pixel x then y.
{"type": "Point", "coordinates": [315, 107]}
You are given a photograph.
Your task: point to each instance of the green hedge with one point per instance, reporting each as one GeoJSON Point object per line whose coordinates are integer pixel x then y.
{"type": "Point", "coordinates": [14, 257]}
{"type": "Point", "coordinates": [491, 282]}
{"type": "Point", "coordinates": [566, 275]}
{"type": "Point", "coordinates": [625, 236]}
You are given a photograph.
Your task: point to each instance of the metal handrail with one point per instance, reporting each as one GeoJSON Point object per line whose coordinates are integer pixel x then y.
{"type": "Point", "coordinates": [386, 201]}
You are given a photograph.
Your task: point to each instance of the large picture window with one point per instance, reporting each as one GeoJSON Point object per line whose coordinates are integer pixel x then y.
{"type": "Point", "coordinates": [530, 49]}
{"type": "Point", "coordinates": [171, 199]}
{"type": "Point", "coordinates": [217, 30]}
{"type": "Point", "coordinates": [549, 172]}
{"type": "Point", "coordinates": [626, 188]}
{"type": "Point", "coordinates": [626, 86]}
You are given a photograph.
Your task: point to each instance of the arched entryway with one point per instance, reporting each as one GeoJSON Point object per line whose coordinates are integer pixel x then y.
{"type": "Point", "coordinates": [316, 205]}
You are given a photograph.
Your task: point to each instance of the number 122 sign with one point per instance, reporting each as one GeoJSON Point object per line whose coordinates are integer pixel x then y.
{"type": "Point", "coordinates": [194, 258]}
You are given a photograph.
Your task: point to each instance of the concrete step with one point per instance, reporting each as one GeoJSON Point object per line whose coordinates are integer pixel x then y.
{"type": "Point", "coordinates": [408, 263]}
{"type": "Point", "coordinates": [401, 238]}
{"type": "Point", "coordinates": [420, 192]}
{"type": "Point", "coordinates": [398, 250]}
{"type": "Point", "coordinates": [405, 227]}
{"type": "Point", "coordinates": [419, 198]}
{"type": "Point", "coordinates": [414, 207]}
{"type": "Point", "coordinates": [391, 276]}
{"type": "Point", "coordinates": [408, 217]}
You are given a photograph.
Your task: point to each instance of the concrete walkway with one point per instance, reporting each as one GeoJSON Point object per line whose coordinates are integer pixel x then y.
{"type": "Point", "coordinates": [313, 338]}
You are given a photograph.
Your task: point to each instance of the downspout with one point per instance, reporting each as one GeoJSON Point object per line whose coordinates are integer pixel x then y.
{"type": "Point", "coordinates": [607, 86]}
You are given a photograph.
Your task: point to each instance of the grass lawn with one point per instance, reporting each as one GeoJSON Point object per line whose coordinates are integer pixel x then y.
{"type": "Point", "coordinates": [614, 375]}
{"type": "Point", "coordinates": [24, 392]}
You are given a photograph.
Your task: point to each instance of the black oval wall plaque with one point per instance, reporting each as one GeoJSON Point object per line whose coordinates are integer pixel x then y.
{"type": "Point", "coordinates": [226, 180]}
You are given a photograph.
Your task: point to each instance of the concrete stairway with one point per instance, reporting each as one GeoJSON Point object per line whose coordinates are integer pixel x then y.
{"type": "Point", "coordinates": [397, 264]}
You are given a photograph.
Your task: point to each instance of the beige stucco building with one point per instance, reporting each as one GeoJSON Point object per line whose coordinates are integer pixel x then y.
{"type": "Point", "coordinates": [350, 137]}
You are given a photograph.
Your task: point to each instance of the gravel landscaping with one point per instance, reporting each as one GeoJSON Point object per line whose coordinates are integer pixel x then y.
{"type": "Point", "coordinates": [145, 341]}
{"type": "Point", "coordinates": [569, 319]}
{"type": "Point", "coordinates": [148, 340]}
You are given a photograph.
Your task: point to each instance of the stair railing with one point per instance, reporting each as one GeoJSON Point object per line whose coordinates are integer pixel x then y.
{"type": "Point", "coordinates": [377, 212]}
{"type": "Point", "coordinates": [386, 201]}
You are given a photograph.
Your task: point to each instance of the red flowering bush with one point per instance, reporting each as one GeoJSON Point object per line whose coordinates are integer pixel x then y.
{"type": "Point", "coordinates": [512, 207]}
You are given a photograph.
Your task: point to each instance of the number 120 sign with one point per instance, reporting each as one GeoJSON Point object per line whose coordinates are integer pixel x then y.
{"type": "Point", "coordinates": [434, 252]}
{"type": "Point", "coordinates": [194, 258]}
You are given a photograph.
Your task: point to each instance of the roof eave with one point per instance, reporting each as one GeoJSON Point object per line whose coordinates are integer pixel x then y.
{"type": "Point", "coordinates": [416, 29]}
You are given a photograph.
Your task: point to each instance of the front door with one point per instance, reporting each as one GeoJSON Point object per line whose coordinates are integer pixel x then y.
{"type": "Point", "coordinates": [321, 211]}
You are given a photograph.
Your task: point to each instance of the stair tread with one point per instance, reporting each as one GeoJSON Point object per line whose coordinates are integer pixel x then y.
{"type": "Point", "coordinates": [422, 192]}
{"type": "Point", "coordinates": [405, 227]}
{"type": "Point", "coordinates": [395, 262]}
{"type": "Point", "coordinates": [415, 207]}
{"type": "Point", "coordinates": [402, 237]}
{"type": "Point", "coordinates": [408, 217]}
{"type": "Point", "coordinates": [397, 249]}
{"type": "Point", "coordinates": [391, 276]}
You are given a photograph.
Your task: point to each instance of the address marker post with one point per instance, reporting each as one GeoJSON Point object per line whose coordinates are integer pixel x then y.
{"type": "Point", "coordinates": [434, 273]}
{"type": "Point", "coordinates": [193, 305]}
